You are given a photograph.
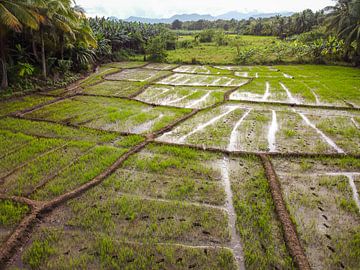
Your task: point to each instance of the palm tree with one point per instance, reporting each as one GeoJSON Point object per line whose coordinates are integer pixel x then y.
{"type": "Point", "coordinates": [15, 15]}
{"type": "Point", "coordinates": [344, 21]}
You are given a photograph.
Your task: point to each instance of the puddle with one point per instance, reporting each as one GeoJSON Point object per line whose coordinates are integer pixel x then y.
{"type": "Point", "coordinates": [203, 126]}
{"type": "Point", "coordinates": [235, 241]}
{"type": "Point", "coordinates": [272, 133]}
{"type": "Point", "coordinates": [267, 92]}
{"type": "Point", "coordinates": [234, 134]}
{"type": "Point", "coordinates": [326, 138]}
{"type": "Point", "coordinates": [290, 97]}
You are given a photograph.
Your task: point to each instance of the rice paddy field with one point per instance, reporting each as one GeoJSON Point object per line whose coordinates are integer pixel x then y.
{"type": "Point", "coordinates": [162, 166]}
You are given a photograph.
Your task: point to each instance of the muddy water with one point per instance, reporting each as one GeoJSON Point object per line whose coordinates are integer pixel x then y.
{"type": "Point", "coordinates": [267, 91]}
{"type": "Point", "coordinates": [272, 133]}
{"type": "Point", "coordinates": [203, 126]}
{"type": "Point", "coordinates": [325, 138]}
{"type": "Point", "coordinates": [233, 144]}
{"type": "Point", "coordinates": [235, 241]}
{"type": "Point", "coordinates": [290, 97]}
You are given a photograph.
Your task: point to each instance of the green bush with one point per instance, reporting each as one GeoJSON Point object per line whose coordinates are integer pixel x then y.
{"type": "Point", "coordinates": [64, 66]}
{"type": "Point", "coordinates": [206, 35]}
{"type": "Point", "coordinates": [156, 49]}
{"type": "Point", "coordinates": [120, 55]}
{"type": "Point", "coordinates": [244, 56]}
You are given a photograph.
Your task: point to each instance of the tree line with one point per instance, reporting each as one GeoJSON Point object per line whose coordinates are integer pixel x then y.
{"type": "Point", "coordinates": [42, 41]}
{"type": "Point", "coordinates": [47, 40]}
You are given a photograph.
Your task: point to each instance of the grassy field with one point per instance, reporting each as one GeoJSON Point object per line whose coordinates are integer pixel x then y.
{"type": "Point", "coordinates": [161, 166]}
{"type": "Point", "coordinates": [267, 51]}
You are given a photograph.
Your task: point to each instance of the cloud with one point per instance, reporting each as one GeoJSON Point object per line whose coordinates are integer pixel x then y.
{"type": "Point", "coordinates": [166, 8]}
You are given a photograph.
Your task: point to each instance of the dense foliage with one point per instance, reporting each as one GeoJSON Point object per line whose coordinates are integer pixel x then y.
{"type": "Point", "coordinates": [48, 42]}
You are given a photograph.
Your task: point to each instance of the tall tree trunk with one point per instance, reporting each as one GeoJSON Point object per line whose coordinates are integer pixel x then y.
{"type": "Point", "coordinates": [62, 47]}
{"type": "Point", "coordinates": [43, 57]}
{"type": "Point", "coordinates": [33, 43]}
{"type": "Point", "coordinates": [4, 80]}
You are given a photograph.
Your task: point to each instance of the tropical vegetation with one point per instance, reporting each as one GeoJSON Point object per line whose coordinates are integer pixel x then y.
{"type": "Point", "coordinates": [49, 43]}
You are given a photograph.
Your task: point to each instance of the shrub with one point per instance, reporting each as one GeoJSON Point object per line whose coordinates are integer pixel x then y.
{"type": "Point", "coordinates": [206, 35]}
{"type": "Point", "coordinates": [244, 56]}
{"type": "Point", "coordinates": [64, 66]}
{"type": "Point", "coordinates": [156, 49]}
{"type": "Point", "coordinates": [120, 55]}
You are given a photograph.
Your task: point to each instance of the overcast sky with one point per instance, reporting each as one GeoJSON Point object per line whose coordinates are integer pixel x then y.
{"type": "Point", "coordinates": [166, 8]}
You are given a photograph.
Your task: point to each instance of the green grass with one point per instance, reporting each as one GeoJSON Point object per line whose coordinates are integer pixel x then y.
{"type": "Point", "coordinates": [210, 53]}
{"type": "Point", "coordinates": [14, 140]}
{"type": "Point", "coordinates": [52, 130]}
{"type": "Point", "coordinates": [18, 104]}
{"type": "Point", "coordinates": [34, 148]}
{"type": "Point", "coordinates": [25, 179]}
{"type": "Point", "coordinates": [325, 215]}
{"type": "Point", "coordinates": [97, 77]}
{"type": "Point", "coordinates": [341, 130]}
{"type": "Point", "coordinates": [260, 231]}
{"type": "Point", "coordinates": [54, 249]}
{"type": "Point", "coordinates": [171, 173]}
{"type": "Point", "coordinates": [84, 170]}
{"type": "Point", "coordinates": [162, 94]}
{"type": "Point", "coordinates": [11, 212]}
{"type": "Point", "coordinates": [109, 114]}
{"type": "Point", "coordinates": [139, 75]}
{"type": "Point", "coordinates": [125, 64]}
{"type": "Point", "coordinates": [117, 89]}
{"type": "Point", "coordinates": [136, 218]}
{"type": "Point", "coordinates": [41, 249]}
{"type": "Point", "coordinates": [332, 84]}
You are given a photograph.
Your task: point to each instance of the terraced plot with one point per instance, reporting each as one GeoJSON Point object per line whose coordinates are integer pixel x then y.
{"type": "Point", "coordinates": [322, 199]}
{"type": "Point", "coordinates": [250, 167]}
{"type": "Point", "coordinates": [202, 80]}
{"type": "Point", "coordinates": [183, 96]}
{"type": "Point", "coordinates": [18, 104]}
{"type": "Point", "coordinates": [239, 127]}
{"type": "Point", "coordinates": [108, 114]}
{"type": "Point", "coordinates": [114, 88]}
{"type": "Point", "coordinates": [161, 66]}
{"type": "Point", "coordinates": [137, 75]}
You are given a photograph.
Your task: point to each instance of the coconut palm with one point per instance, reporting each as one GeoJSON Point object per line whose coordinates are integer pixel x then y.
{"type": "Point", "coordinates": [14, 16]}
{"type": "Point", "coordinates": [344, 19]}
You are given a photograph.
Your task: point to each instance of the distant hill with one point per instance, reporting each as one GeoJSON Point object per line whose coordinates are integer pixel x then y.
{"type": "Point", "coordinates": [195, 17]}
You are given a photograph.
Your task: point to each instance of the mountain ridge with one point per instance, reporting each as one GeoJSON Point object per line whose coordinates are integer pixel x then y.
{"type": "Point", "coordinates": [195, 17]}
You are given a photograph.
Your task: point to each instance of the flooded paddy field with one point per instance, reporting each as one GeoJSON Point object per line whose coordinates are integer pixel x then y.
{"type": "Point", "coordinates": [164, 166]}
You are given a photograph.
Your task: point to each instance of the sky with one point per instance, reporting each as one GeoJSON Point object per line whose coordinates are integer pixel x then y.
{"type": "Point", "coordinates": [166, 8]}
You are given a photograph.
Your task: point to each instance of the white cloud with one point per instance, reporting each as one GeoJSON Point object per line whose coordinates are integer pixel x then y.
{"type": "Point", "coordinates": [166, 8]}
